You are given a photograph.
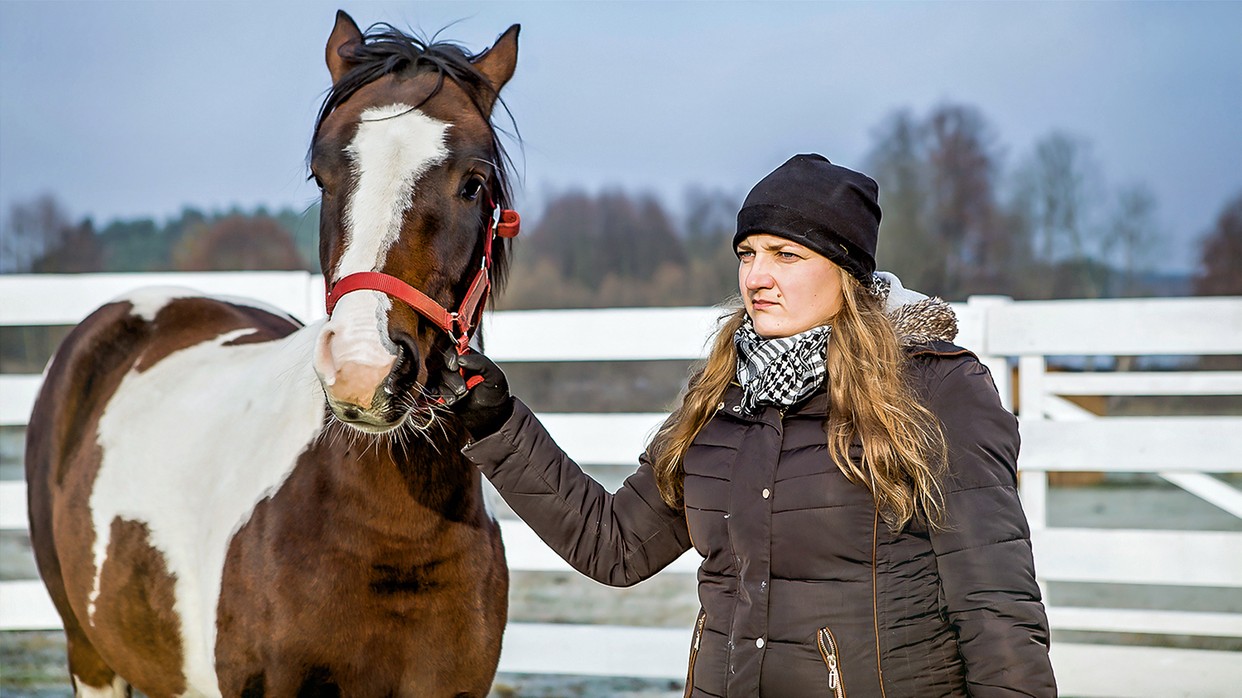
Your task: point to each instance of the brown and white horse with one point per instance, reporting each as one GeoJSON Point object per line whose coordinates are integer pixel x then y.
{"type": "Point", "coordinates": [223, 502]}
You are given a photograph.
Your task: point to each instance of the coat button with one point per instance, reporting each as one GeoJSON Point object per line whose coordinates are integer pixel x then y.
{"type": "Point", "coordinates": [737, 408]}
{"type": "Point", "coordinates": [759, 643]}
{"type": "Point", "coordinates": [766, 493]}
{"type": "Point", "coordinates": [720, 405]}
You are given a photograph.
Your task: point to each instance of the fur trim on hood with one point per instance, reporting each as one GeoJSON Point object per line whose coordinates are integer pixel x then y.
{"type": "Point", "coordinates": [917, 318]}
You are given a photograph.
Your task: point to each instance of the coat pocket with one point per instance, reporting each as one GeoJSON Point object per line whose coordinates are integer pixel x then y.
{"type": "Point", "coordinates": [831, 653]}
{"type": "Point", "coordinates": [694, 651]}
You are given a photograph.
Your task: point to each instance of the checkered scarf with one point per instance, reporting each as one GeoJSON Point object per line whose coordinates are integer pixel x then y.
{"type": "Point", "coordinates": [779, 371]}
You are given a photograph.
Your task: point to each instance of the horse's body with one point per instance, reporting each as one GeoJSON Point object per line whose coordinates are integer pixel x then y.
{"type": "Point", "coordinates": [204, 516]}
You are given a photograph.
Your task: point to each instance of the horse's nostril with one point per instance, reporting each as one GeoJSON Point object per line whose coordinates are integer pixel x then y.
{"type": "Point", "coordinates": [407, 359]}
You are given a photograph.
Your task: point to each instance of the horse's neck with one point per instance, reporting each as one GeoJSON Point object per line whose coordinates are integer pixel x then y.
{"type": "Point", "coordinates": [402, 491]}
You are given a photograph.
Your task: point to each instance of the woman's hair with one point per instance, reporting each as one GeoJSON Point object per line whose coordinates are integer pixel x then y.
{"type": "Point", "coordinates": [872, 403]}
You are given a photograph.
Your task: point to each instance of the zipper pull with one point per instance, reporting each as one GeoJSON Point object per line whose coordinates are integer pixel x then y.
{"type": "Point", "coordinates": [828, 649]}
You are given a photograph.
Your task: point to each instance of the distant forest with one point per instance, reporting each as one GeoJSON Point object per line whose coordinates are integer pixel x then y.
{"type": "Point", "coordinates": [958, 220]}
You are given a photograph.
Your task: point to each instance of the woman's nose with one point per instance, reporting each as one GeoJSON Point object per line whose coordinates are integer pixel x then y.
{"type": "Point", "coordinates": [758, 277]}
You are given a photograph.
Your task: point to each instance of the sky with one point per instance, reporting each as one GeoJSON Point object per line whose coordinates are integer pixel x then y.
{"type": "Point", "coordinates": [136, 109]}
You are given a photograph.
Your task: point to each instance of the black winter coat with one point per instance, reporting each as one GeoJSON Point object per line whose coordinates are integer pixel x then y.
{"type": "Point", "coordinates": [805, 591]}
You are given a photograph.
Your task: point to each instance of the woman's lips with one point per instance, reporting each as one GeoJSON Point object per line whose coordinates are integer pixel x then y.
{"type": "Point", "coordinates": [762, 305]}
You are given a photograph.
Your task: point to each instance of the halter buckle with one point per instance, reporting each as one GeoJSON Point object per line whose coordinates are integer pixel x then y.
{"type": "Point", "coordinates": [460, 334]}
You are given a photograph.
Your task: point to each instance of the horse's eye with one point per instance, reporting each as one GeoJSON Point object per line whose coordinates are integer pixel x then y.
{"type": "Point", "coordinates": [318, 182]}
{"type": "Point", "coordinates": [471, 189]}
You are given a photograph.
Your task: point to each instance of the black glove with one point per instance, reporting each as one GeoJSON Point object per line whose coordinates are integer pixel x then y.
{"type": "Point", "coordinates": [486, 406]}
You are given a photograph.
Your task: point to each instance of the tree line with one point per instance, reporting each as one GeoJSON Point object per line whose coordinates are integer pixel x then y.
{"type": "Point", "coordinates": [958, 220]}
{"type": "Point", "coordinates": [40, 237]}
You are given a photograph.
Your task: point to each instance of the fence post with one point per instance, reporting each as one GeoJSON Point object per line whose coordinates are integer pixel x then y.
{"type": "Point", "coordinates": [983, 307]}
{"type": "Point", "coordinates": [1034, 484]}
{"type": "Point", "coordinates": [315, 291]}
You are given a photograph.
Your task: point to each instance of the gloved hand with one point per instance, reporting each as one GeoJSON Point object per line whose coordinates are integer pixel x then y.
{"type": "Point", "coordinates": [486, 406]}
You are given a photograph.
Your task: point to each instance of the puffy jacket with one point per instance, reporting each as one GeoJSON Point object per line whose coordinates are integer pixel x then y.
{"type": "Point", "coordinates": [804, 589]}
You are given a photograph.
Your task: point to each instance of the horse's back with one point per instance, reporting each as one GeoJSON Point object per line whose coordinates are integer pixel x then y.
{"type": "Point", "coordinates": [108, 436]}
{"type": "Point", "coordinates": [128, 334]}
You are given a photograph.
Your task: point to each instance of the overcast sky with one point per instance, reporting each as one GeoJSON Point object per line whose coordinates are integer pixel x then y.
{"type": "Point", "coordinates": [126, 109]}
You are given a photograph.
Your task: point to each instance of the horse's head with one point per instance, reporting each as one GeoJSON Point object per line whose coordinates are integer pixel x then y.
{"type": "Point", "coordinates": [411, 172]}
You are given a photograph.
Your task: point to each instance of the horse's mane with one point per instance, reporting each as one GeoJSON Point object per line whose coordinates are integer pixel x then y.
{"type": "Point", "coordinates": [386, 49]}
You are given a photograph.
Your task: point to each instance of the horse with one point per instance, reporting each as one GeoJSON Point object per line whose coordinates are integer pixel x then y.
{"type": "Point", "coordinates": [224, 502]}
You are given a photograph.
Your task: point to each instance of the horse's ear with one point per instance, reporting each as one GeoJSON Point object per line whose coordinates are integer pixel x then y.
{"type": "Point", "coordinates": [498, 62]}
{"type": "Point", "coordinates": [345, 38]}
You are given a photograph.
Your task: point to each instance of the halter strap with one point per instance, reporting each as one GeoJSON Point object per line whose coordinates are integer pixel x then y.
{"type": "Point", "coordinates": [458, 325]}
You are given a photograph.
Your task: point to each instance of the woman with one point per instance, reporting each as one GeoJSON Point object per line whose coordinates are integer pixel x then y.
{"type": "Point", "coordinates": [847, 474]}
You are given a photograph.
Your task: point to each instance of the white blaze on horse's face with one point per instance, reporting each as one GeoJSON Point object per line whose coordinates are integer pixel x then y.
{"type": "Point", "coordinates": [395, 145]}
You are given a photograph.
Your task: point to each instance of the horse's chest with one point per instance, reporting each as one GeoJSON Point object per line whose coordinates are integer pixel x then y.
{"type": "Point", "coordinates": [329, 599]}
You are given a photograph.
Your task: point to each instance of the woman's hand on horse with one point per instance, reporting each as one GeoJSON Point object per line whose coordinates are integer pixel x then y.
{"type": "Point", "coordinates": [476, 390]}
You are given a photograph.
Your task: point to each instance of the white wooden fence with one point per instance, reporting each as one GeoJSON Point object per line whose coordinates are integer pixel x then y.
{"type": "Point", "coordinates": [1058, 436]}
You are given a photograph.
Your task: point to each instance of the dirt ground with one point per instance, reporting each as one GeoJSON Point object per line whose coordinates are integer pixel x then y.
{"type": "Point", "coordinates": [32, 666]}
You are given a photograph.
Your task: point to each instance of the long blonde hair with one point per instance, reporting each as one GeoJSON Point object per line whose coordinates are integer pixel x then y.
{"type": "Point", "coordinates": [871, 402]}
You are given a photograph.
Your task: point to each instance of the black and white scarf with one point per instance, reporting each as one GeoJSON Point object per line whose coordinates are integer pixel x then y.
{"type": "Point", "coordinates": [779, 371]}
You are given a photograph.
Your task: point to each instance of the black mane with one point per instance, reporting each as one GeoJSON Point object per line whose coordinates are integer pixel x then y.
{"type": "Point", "coordinates": [386, 49]}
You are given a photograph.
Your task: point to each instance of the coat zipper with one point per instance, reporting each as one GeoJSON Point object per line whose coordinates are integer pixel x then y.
{"type": "Point", "coordinates": [875, 598]}
{"type": "Point", "coordinates": [829, 651]}
{"type": "Point", "coordinates": [694, 651]}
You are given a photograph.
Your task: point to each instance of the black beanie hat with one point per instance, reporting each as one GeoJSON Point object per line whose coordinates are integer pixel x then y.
{"type": "Point", "coordinates": [828, 208]}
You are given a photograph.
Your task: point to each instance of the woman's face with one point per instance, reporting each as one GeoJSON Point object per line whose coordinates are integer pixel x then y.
{"type": "Point", "coordinates": [787, 288]}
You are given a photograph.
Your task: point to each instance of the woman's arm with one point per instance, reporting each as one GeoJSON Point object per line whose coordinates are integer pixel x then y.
{"type": "Point", "coordinates": [616, 539]}
{"type": "Point", "coordinates": [983, 550]}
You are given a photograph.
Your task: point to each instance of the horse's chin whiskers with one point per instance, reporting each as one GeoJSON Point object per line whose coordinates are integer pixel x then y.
{"type": "Point", "coordinates": [424, 419]}
{"type": "Point", "coordinates": [421, 412]}
{"type": "Point", "coordinates": [434, 429]}
{"type": "Point", "coordinates": [443, 430]}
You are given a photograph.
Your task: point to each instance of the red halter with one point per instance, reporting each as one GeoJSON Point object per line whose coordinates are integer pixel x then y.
{"type": "Point", "coordinates": [459, 325]}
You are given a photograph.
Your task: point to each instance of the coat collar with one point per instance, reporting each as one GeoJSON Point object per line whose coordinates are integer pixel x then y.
{"type": "Point", "coordinates": [917, 319]}
{"type": "Point", "coordinates": [815, 405]}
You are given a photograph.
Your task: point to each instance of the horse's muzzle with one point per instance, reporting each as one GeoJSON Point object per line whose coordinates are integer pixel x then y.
{"type": "Point", "coordinates": [375, 420]}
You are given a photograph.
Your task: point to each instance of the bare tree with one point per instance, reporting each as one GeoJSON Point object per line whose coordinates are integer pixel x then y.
{"type": "Point", "coordinates": [1064, 177]}
{"type": "Point", "coordinates": [80, 250]}
{"type": "Point", "coordinates": [962, 167]}
{"type": "Point", "coordinates": [1058, 183]}
{"type": "Point", "coordinates": [938, 192]}
{"type": "Point", "coordinates": [31, 230]}
{"type": "Point", "coordinates": [707, 228]}
{"type": "Point", "coordinates": [897, 161]}
{"type": "Point", "coordinates": [1221, 257]}
{"type": "Point", "coordinates": [1130, 233]}
{"type": "Point", "coordinates": [710, 218]}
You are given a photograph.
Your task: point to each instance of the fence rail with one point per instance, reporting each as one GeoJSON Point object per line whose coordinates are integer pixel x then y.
{"type": "Point", "coordinates": [1058, 436]}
